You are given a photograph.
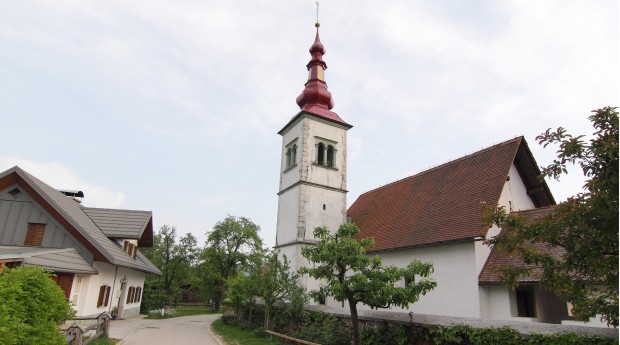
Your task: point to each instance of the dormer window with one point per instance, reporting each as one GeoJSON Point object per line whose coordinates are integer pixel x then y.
{"type": "Point", "coordinates": [130, 249]}
{"type": "Point", "coordinates": [326, 153]}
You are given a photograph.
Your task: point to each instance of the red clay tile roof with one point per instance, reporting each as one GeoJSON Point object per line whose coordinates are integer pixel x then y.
{"type": "Point", "coordinates": [443, 204]}
{"type": "Point", "coordinates": [491, 274]}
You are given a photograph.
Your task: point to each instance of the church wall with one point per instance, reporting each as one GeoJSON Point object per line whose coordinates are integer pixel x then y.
{"type": "Point", "coordinates": [292, 137]}
{"type": "Point", "coordinates": [288, 216]}
{"type": "Point", "coordinates": [323, 207]}
{"type": "Point", "coordinates": [456, 293]}
{"type": "Point", "coordinates": [513, 198]}
{"type": "Point", "coordinates": [318, 131]}
{"type": "Point", "coordinates": [498, 302]}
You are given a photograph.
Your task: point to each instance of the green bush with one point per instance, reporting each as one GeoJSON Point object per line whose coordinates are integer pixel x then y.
{"type": "Point", "coordinates": [31, 307]}
{"type": "Point", "coordinates": [325, 329]}
{"type": "Point", "coordinates": [460, 334]}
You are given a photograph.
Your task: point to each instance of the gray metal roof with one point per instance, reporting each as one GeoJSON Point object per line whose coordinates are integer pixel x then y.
{"type": "Point", "coordinates": [66, 260]}
{"type": "Point", "coordinates": [74, 214]}
{"type": "Point", "coordinates": [119, 223]}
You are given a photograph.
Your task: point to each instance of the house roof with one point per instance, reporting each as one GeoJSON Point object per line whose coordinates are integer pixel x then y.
{"type": "Point", "coordinates": [73, 218]}
{"type": "Point", "coordinates": [498, 259]}
{"type": "Point", "coordinates": [67, 260]}
{"type": "Point", "coordinates": [116, 223]}
{"type": "Point", "coordinates": [443, 204]}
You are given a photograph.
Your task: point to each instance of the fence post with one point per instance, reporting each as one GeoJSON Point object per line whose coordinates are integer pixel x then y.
{"type": "Point", "coordinates": [103, 321]}
{"type": "Point", "coordinates": [76, 330]}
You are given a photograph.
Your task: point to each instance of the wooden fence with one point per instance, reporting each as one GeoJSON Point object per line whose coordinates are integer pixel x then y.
{"type": "Point", "coordinates": [74, 334]}
{"type": "Point", "coordinates": [291, 339]}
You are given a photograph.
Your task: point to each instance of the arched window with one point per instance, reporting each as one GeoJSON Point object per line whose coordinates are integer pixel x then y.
{"type": "Point", "coordinates": [330, 156]}
{"type": "Point", "coordinates": [288, 158]}
{"type": "Point", "coordinates": [294, 155]}
{"type": "Point", "coordinates": [320, 156]}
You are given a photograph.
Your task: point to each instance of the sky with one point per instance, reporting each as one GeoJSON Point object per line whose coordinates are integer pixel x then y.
{"type": "Point", "coordinates": [174, 106]}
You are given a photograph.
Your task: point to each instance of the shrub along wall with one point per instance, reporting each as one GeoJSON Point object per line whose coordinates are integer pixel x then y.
{"type": "Point", "coordinates": [330, 329]}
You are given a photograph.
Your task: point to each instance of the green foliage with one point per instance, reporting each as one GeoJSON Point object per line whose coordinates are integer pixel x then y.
{"type": "Point", "coordinates": [341, 262]}
{"type": "Point", "coordinates": [232, 246]}
{"type": "Point", "coordinates": [235, 335]}
{"type": "Point", "coordinates": [176, 261]}
{"type": "Point", "coordinates": [31, 307]}
{"type": "Point", "coordinates": [279, 285]}
{"type": "Point", "coordinates": [584, 228]}
{"type": "Point", "coordinates": [460, 334]}
{"type": "Point", "coordinates": [384, 334]}
{"type": "Point", "coordinates": [325, 329]}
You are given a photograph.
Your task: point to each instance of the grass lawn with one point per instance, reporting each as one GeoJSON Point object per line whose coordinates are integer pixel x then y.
{"type": "Point", "coordinates": [233, 335]}
{"type": "Point", "coordinates": [185, 310]}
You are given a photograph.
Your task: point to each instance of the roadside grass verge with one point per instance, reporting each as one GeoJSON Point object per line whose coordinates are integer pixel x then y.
{"type": "Point", "coordinates": [235, 336]}
{"type": "Point", "coordinates": [104, 341]}
{"type": "Point", "coordinates": [184, 310]}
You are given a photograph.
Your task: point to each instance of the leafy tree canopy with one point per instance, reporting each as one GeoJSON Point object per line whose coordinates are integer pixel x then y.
{"type": "Point", "coordinates": [233, 244]}
{"type": "Point", "coordinates": [31, 307]}
{"type": "Point", "coordinates": [350, 274]}
{"type": "Point", "coordinates": [584, 228]}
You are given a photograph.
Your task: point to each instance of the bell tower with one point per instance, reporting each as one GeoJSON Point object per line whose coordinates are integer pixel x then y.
{"type": "Point", "coordinates": [313, 173]}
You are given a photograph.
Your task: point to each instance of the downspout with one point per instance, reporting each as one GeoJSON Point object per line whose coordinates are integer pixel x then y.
{"type": "Point", "coordinates": [113, 289]}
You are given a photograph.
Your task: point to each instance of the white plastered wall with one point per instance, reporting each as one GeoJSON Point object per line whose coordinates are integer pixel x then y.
{"type": "Point", "coordinates": [456, 293]}
{"type": "Point", "coordinates": [513, 198]}
{"type": "Point", "coordinates": [109, 275]}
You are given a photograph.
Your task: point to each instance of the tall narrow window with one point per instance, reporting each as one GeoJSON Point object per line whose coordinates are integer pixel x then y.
{"type": "Point", "coordinates": [294, 155]}
{"type": "Point", "coordinates": [320, 155]}
{"type": "Point", "coordinates": [330, 156]}
{"type": "Point", "coordinates": [34, 234]}
{"type": "Point", "coordinates": [288, 158]}
{"type": "Point", "coordinates": [104, 296]}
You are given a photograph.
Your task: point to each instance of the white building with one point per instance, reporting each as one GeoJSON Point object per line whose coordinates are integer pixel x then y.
{"type": "Point", "coordinates": [434, 216]}
{"type": "Point", "coordinates": [93, 252]}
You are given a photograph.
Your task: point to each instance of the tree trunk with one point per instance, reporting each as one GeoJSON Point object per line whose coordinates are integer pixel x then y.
{"type": "Point", "coordinates": [354, 322]}
{"type": "Point", "coordinates": [217, 301]}
{"type": "Point", "coordinates": [267, 312]}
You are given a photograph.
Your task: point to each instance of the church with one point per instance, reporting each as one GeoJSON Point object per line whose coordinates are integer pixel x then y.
{"type": "Point", "coordinates": [433, 216]}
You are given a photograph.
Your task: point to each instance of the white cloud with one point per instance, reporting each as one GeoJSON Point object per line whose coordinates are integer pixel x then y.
{"type": "Point", "coordinates": [61, 177]}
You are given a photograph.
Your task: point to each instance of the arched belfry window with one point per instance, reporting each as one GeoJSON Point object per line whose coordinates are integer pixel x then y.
{"type": "Point", "coordinates": [330, 156]}
{"type": "Point", "coordinates": [325, 153]}
{"type": "Point", "coordinates": [320, 154]}
{"type": "Point", "coordinates": [288, 158]}
{"type": "Point", "coordinates": [290, 155]}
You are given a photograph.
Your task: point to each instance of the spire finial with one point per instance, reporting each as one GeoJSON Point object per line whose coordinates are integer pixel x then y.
{"type": "Point", "coordinates": [317, 24]}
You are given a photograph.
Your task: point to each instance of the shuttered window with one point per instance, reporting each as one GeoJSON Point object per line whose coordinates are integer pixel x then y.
{"type": "Point", "coordinates": [138, 294]}
{"type": "Point", "coordinates": [34, 234]}
{"type": "Point", "coordinates": [104, 296]}
{"type": "Point", "coordinates": [130, 295]}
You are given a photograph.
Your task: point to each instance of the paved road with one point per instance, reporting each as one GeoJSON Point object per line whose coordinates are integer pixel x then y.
{"type": "Point", "coordinates": [176, 331]}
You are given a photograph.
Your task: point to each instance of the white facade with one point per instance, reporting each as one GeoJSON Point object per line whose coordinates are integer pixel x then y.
{"type": "Point", "coordinates": [85, 290]}
{"type": "Point", "coordinates": [312, 190]}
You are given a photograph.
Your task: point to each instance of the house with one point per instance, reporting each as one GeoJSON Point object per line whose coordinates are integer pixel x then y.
{"type": "Point", "coordinates": [433, 216]}
{"type": "Point", "coordinates": [93, 252]}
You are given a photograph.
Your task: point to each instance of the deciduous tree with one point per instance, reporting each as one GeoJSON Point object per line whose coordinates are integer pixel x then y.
{"type": "Point", "coordinates": [584, 227]}
{"type": "Point", "coordinates": [279, 285]}
{"type": "Point", "coordinates": [233, 243]}
{"type": "Point", "coordinates": [350, 274]}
